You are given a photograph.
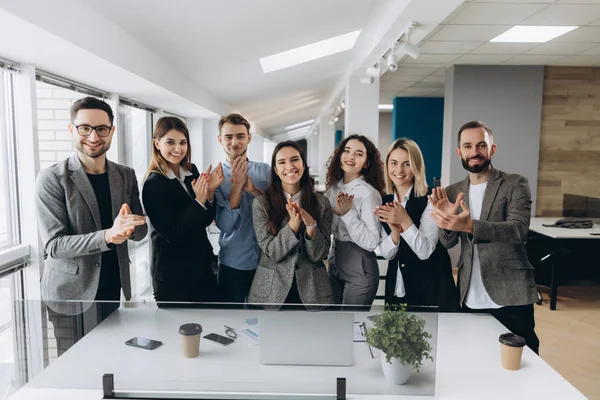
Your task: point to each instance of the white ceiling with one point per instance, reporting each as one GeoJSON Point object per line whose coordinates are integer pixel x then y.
{"type": "Point", "coordinates": [463, 38]}
{"type": "Point", "coordinates": [218, 45]}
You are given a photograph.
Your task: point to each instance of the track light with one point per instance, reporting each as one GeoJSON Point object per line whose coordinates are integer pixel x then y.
{"type": "Point", "coordinates": [392, 60]}
{"type": "Point", "coordinates": [374, 71]}
{"type": "Point", "coordinates": [367, 80]}
{"type": "Point", "coordinates": [343, 104]}
{"type": "Point", "coordinates": [410, 49]}
{"type": "Point", "coordinates": [336, 119]}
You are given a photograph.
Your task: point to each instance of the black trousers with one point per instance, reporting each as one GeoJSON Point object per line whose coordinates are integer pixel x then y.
{"type": "Point", "coordinates": [234, 284]}
{"type": "Point", "coordinates": [517, 319]}
{"type": "Point", "coordinates": [203, 291]}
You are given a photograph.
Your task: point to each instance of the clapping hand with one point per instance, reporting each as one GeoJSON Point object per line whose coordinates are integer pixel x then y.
{"type": "Point", "coordinates": [123, 226]}
{"type": "Point", "coordinates": [295, 218]}
{"type": "Point", "coordinates": [343, 203]}
{"type": "Point", "coordinates": [216, 177]}
{"type": "Point", "coordinates": [439, 200]}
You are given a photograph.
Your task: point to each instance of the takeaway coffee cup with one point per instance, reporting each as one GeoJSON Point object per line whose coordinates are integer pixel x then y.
{"type": "Point", "coordinates": [190, 339]}
{"type": "Point", "coordinates": [511, 348]}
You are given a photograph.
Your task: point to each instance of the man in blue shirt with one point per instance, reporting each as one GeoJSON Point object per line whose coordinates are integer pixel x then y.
{"type": "Point", "coordinates": [239, 253]}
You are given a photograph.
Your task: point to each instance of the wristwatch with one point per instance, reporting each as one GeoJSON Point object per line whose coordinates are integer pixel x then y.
{"type": "Point", "coordinates": [313, 225]}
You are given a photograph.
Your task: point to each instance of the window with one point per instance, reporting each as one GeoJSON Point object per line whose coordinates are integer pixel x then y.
{"type": "Point", "coordinates": [54, 99]}
{"type": "Point", "coordinates": [9, 211]}
{"type": "Point", "coordinates": [135, 130]}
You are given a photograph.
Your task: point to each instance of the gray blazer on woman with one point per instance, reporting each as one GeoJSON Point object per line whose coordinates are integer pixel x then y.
{"type": "Point", "coordinates": [284, 255]}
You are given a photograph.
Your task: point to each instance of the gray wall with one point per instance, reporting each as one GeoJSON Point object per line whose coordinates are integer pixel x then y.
{"type": "Point", "coordinates": [509, 100]}
{"type": "Point", "coordinates": [385, 133]}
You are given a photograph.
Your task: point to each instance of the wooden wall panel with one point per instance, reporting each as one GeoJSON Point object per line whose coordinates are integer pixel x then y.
{"type": "Point", "coordinates": [570, 137]}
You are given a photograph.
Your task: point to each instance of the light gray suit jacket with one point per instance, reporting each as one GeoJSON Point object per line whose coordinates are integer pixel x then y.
{"type": "Point", "coordinates": [284, 255]}
{"type": "Point", "coordinates": [499, 235]}
{"type": "Point", "coordinates": [71, 230]}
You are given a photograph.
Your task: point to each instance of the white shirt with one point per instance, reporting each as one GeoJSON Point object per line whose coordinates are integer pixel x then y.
{"type": "Point", "coordinates": [422, 240]}
{"type": "Point", "coordinates": [295, 197]}
{"type": "Point", "coordinates": [182, 174]}
{"type": "Point", "coordinates": [477, 296]}
{"type": "Point", "coordinates": [359, 224]}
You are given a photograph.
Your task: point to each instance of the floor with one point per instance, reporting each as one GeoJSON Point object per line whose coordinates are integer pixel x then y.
{"type": "Point", "coordinates": [570, 336]}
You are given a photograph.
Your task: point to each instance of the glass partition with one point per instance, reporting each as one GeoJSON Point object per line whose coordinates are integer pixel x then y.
{"type": "Point", "coordinates": [244, 352]}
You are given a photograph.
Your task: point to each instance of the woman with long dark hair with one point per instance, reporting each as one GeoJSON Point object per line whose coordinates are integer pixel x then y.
{"type": "Point", "coordinates": [293, 228]}
{"type": "Point", "coordinates": [419, 271]}
{"type": "Point", "coordinates": [354, 187]}
{"type": "Point", "coordinates": [178, 200]}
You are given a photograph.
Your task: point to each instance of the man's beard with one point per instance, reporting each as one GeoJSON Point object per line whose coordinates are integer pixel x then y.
{"type": "Point", "coordinates": [103, 149]}
{"type": "Point", "coordinates": [476, 168]}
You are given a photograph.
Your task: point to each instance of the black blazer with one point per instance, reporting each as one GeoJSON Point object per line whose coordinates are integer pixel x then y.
{"type": "Point", "coordinates": [427, 282]}
{"type": "Point", "coordinates": [181, 250]}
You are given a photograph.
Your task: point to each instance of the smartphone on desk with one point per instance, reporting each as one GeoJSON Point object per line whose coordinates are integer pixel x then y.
{"type": "Point", "coordinates": [143, 343]}
{"type": "Point", "coordinates": [218, 339]}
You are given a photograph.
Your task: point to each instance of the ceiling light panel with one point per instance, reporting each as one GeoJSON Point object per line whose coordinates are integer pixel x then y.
{"type": "Point", "coordinates": [309, 52]}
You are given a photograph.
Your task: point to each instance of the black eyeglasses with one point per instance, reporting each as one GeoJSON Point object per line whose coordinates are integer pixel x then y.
{"type": "Point", "coordinates": [230, 332]}
{"type": "Point", "coordinates": [86, 130]}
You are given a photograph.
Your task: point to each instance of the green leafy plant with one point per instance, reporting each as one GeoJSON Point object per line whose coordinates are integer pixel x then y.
{"type": "Point", "coordinates": [400, 334]}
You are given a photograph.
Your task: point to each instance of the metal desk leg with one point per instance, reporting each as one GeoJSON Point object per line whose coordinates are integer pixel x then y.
{"type": "Point", "coordinates": [554, 287]}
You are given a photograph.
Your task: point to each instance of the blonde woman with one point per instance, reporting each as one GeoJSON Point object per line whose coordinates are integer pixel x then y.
{"type": "Point", "coordinates": [419, 270]}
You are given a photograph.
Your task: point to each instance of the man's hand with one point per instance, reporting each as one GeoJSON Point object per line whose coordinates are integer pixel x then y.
{"type": "Point", "coordinates": [251, 188]}
{"type": "Point", "coordinates": [439, 201]}
{"type": "Point", "coordinates": [123, 226]}
{"type": "Point", "coordinates": [239, 171]}
{"type": "Point", "coordinates": [451, 222]}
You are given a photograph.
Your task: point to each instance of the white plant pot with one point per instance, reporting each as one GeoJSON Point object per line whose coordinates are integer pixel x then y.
{"type": "Point", "coordinates": [396, 373]}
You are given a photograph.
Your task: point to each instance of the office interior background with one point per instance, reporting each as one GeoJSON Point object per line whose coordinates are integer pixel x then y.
{"type": "Point", "coordinates": [390, 69]}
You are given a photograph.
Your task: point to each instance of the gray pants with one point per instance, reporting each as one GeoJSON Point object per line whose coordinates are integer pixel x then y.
{"type": "Point", "coordinates": [354, 274]}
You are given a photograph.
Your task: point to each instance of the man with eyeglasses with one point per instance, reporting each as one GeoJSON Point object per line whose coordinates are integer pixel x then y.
{"type": "Point", "coordinates": [87, 209]}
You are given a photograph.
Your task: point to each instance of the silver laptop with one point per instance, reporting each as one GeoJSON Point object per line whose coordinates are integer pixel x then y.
{"type": "Point", "coordinates": [306, 338]}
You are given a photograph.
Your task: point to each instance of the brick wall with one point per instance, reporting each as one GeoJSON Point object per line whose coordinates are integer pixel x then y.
{"type": "Point", "coordinates": [53, 104]}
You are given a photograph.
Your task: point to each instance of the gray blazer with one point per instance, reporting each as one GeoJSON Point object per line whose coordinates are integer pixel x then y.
{"type": "Point", "coordinates": [500, 236]}
{"type": "Point", "coordinates": [71, 231]}
{"type": "Point", "coordinates": [284, 255]}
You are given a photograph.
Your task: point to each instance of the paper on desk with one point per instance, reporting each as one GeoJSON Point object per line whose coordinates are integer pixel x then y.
{"type": "Point", "coordinates": [249, 331]}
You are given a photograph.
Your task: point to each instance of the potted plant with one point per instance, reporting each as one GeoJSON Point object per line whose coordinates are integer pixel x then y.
{"type": "Point", "coordinates": [402, 338]}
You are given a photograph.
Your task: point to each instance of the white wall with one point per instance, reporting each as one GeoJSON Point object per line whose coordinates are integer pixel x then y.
{"type": "Point", "coordinates": [256, 148]}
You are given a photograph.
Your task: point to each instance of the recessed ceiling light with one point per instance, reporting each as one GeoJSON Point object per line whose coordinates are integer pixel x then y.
{"type": "Point", "coordinates": [532, 34]}
{"type": "Point", "coordinates": [386, 106]}
{"type": "Point", "coordinates": [299, 124]}
{"type": "Point", "coordinates": [309, 52]}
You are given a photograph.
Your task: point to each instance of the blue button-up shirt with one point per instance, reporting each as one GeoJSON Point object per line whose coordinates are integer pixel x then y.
{"type": "Point", "coordinates": [237, 240]}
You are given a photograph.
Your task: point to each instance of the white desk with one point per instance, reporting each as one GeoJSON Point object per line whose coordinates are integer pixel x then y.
{"type": "Point", "coordinates": [468, 363]}
{"type": "Point", "coordinates": [537, 225]}
{"type": "Point", "coordinates": [559, 235]}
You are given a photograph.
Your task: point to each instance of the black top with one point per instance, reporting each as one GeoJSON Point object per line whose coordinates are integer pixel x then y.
{"type": "Point", "coordinates": [181, 249]}
{"type": "Point", "coordinates": [427, 282]}
{"type": "Point", "coordinates": [110, 278]}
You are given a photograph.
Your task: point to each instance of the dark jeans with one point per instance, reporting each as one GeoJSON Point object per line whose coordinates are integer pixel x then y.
{"type": "Point", "coordinates": [518, 320]}
{"type": "Point", "coordinates": [234, 284]}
